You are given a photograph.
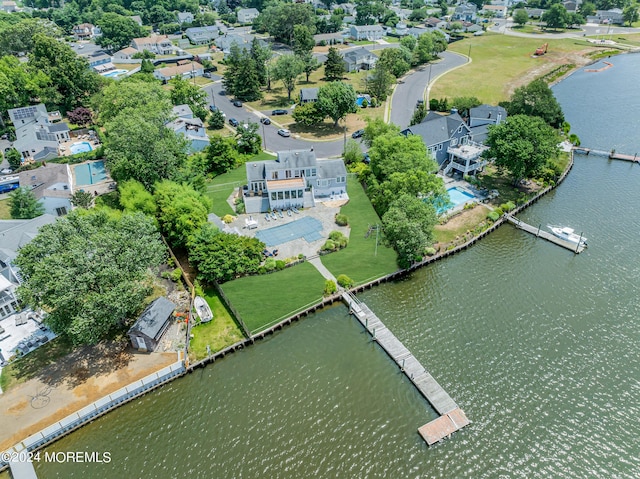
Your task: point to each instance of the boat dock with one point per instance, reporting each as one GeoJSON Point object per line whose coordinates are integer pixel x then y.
{"type": "Point", "coordinates": [612, 155]}
{"type": "Point", "coordinates": [539, 233]}
{"type": "Point", "coordinates": [451, 417]}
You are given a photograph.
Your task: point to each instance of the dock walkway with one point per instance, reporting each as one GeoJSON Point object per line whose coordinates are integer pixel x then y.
{"type": "Point", "coordinates": [612, 155]}
{"type": "Point", "coordinates": [451, 417]}
{"type": "Point", "coordinates": [539, 233]}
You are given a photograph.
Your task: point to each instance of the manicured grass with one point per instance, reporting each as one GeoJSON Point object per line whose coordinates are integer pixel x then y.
{"type": "Point", "coordinates": [266, 299]}
{"type": "Point", "coordinates": [359, 260]}
{"type": "Point", "coordinates": [460, 224]}
{"type": "Point", "coordinates": [220, 188]}
{"type": "Point", "coordinates": [5, 210]}
{"type": "Point", "coordinates": [501, 62]}
{"type": "Point", "coordinates": [392, 39]}
{"type": "Point", "coordinates": [218, 333]}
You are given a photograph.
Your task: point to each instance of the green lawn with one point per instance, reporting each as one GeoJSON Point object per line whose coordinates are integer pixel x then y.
{"type": "Point", "coordinates": [221, 187]}
{"type": "Point", "coordinates": [5, 211]}
{"type": "Point", "coordinates": [359, 260]}
{"type": "Point", "coordinates": [266, 299]}
{"type": "Point", "coordinates": [499, 63]}
{"type": "Point", "coordinates": [219, 333]}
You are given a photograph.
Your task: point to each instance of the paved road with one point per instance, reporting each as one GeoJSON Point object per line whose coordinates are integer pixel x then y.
{"type": "Point", "coordinates": [588, 30]}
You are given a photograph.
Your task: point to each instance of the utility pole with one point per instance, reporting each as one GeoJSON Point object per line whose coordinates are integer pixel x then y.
{"type": "Point", "coordinates": [264, 138]}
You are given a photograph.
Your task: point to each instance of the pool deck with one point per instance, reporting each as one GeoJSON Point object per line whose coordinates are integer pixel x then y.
{"type": "Point", "coordinates": [65, 146]}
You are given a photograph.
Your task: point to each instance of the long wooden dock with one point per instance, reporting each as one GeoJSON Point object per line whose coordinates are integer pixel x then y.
{"type": "Point", "coordinates": [451, 417]}
{"type": "Point", "coordinates": [612, 155]}
{"type": "Point", "coordinates": [539, 233]}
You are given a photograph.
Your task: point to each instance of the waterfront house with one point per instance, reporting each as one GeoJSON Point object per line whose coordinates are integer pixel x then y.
{"type": "Point", "coordinates": [247, 15]}
{"type": "Point", "coordinates": [189, 69]}
{"type": "Point", "coordinates": [38, 134]}
{"type": "Point", "coordinates": [486, 115]}
{"type": "Point", "coordinates": [295, 179]}
{"type": "Point", "coordinates": [366, 32]}
{"type": "Point", "coordinates": [146, 332]}
{"type": "Point", "coordinates": [360, 59]}
{"type": "Point", "coordinates": [308, 95]}
{"type": "Point", "coordinates": [51, 184]}
{"type": "Point", "coordinates": [202, 35]}
{"type": "Point", "coordinates": [158, 44]}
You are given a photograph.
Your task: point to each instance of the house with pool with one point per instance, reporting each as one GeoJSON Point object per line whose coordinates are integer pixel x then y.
{"type": "Point", "coordinates": [296, 178]}
{"type": "Point", "coordinates": [39, 133]}
{"type": "Point", "coordinates": [192, 129]}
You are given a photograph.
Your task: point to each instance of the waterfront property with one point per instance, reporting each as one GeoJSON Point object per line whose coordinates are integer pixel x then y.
{"type": "Point", "coordinates": [146, 332]}
{"type": "Point", "coordinates": [540, 233]}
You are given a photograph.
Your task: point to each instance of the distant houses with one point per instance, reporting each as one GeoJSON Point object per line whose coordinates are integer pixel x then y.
{"type": "Point", "coordinates": [366, 32]}
{"type": "Point", "coordinates": [158, 44]}
{"type": "Point", "coordinates": [202, 35]}
{"type": "Point", "coordinates": [247, 15]}
{"type": "Point", "coordinates": [184, 69]}
{"type": "Point", "coordinates": [52, 186]}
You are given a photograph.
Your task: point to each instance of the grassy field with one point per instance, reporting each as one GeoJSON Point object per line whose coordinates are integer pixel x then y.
{"type": "Point", "coordinates": [359, 259]}
{"type": "Point", "coordinates": [5, 211]}
{"type": "Point", "coordinates": [219, 333]}
{"type": "Point", "coordinates": [502, 62]}
{"type": "Point", "coordinates": [460, 224]}
{"type": "Point", "coordinates": [265, 299]}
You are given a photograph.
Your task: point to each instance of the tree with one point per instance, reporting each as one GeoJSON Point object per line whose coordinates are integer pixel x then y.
{"type": "Point", "coordinates": [14, 158]}
{"type": "Point", "coordinates": [520, 17]}
{"type": "Point", "coordinates": [556, 16]}
{"type": "Point", "coordinates": [409, 42]}
{"type": "Point", "coordinates": [396, 61]}
{"type": "Point", "coordinates": [241, 78]}
{"type": "Point", "coordinates": [280, 19]}
{"type": "Point", "coordinates": [17, 38]}
{"type": "Point", "coordinates": [144, 55]}
{"type": "Point", "coordinates": [221, 257]}
{"type": "Point", "coordinates": [408, 226]}
{"type": "Point", "coordinates": [186, 93]}
{"type": "Point", "coordinates": [80, 116]}
{"type": "Point", "coordinates": [308, 114]}
{"type": "Point", "coordinates": [522, 144]}
{"type": "Point", "coordinates": [88, 271]}
{"type": "Point", "coordinates": [588, 9]}
{"type": "Point", "coordinates": [376, 128]}
{"type": "Point", "coordinates": [118, 31]}
{"type": "Point", "coordinates": [336, 100]}
{"type": "Point", "coordinates": [444, 8]}
{"type": "Point", "coordinates": [261, 54]}
{"type": "Point", "coordinates": [352, 152]}
{"type": "Point", "coordinates": [135, 95]}
{"type": "Point", "coordinates": [24, 205]}
{"type": "Point", "coordinates": [216, 120]}
{"type": "Point", "coordinates": [464, 104]}
{"type": "Point", "coordinates": [82, 199]}
{"type": "Point", "coordinates": [368, 12]}
{"type": "Point", "coordinates": [334, 66]}
{"type": "Point", "coordinates": [134, 197]}
{"type": "Point", "coordinates": [19, 84]}
{"type": "Point", "coordinates": [415, 183]}
{"type": "Point", "coordinates": [391, 153]}
{"type": "Point", "coordinates": [379, 83]}
{"type": "Point", "coordinates": [419, 114]}
{"type": "Point", "coordinates": [303, 41]}
{"type": "Point", "coordinates": [575, 19]}
{"type": "Point", "coordinates": [181, 211]}
{"type": "Point", "coordinates": [630, 13]}
{"type": "Point", "coordinates": [287, 69]}
{"type": "Point", "coordinates": [456, 27]}
{"type": "Point", "coordinates": [248, 140]}
{"type": "Point", "coordinates": [222, 155]}
{"type": "Point", "coordinates": [536, 99]}
{"type": "Point", "coordinates": [309, 64]}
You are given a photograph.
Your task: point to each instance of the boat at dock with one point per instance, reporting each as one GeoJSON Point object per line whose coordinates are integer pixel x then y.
{"type": "Point", "coordinates": [203, 309]}
{"type": "Point", "coordinates": [568, 234]}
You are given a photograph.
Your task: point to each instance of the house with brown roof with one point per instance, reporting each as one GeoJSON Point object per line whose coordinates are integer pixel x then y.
{"type": "Point", "coordinates": [158, 44]}
{"type": "Point", "coordinates": [124, 54]}
{"type": "Point", "coordinates": [184, 70]}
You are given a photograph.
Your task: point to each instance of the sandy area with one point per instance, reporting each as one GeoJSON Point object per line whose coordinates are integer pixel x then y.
{"type": "Point", "coordinates": [70, 384]}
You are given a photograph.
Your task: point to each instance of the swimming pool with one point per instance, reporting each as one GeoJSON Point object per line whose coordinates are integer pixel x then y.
{"type": "Point", "coordinates": [361, 98]}
{"type": "Point", "coordinates": [90, 173]}
{"type": "Point", "coordinates": [114, 73]}
{"type": "Point", "coordinates": [80, 147]}
{"type": "Point", "coordinates": [457, 196]}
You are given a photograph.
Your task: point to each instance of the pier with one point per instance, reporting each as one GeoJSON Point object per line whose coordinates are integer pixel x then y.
{"type": "Point", "coordinates": [539, 233]}
{"type": "Point", "coordinates": [452, 418]}
{"type": "Point", "coordinates": [612, 155]}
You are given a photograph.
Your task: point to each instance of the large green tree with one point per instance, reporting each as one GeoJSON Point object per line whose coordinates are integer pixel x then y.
{"type": "Point", "coordinates": [556, 16]}
{"type": "Point", "coordinates": [308, 114]}
{"type": "Point", "coordinates": [536, 99]}
{"type": "Point", "coordinates": [334, 65]}
{"type": "Point", "coordinates": [395, 60]}
{"type": "Point", "coordinates": [135, 197]}
{"type": "Point", "coordinates": [303, 41]}
{"type": "Point", "coordinates": [248, 141]}
{"type": "Point", "coordinates": [520, 17]}
{"type": "Point", "coordinates": [14, 158]}
{"type": "Point", "coordinates": [287, 69]}
{"type": "Point", "coordinates": [132, 94]}
{"type": "Point", "coordinates": [17, 38]}
{"type": "Point", "coordinates": [118, 31]}
{"type": "Point", "coordinates": [186, 93]}
{"type": "Point", "coordinates": [24, 205]}
{"type": "Point", "coordinates": [241, 78]}
{"type": "Point", "coordinates": [221, 154]}
{"type": "Point", "coordinates": [89, 271]}
{"type": "Point", "coordinates": [522, 144]}
{"type": "Point", "coordinates": [630, 13]}
{"type": "Point", "coordinates": [416, 183]}
{"type": "Point", "coordinates": [379, 83]}
{"type": "Point", "coordinates": [261, 54]}
{"type": "Point", "coordinates": [336, 100]}
{"type": "Point", "coordinates": [19, 84]}
{"type": "Point", "coordinates": [281, 18]}
{"type": "Point", "coordinates": [392, 153]}
{"type": "Point", "coordinates": [369, 11]}
{"type": "Point", "coordinates": [376, 128]}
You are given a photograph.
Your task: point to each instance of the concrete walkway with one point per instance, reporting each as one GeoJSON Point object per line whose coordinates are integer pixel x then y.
{"type": "Point", "coordinates": [317, 263]}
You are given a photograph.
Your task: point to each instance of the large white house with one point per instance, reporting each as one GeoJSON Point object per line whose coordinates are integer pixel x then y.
{"type": "Point", "coordinates": [158, 44]}
{"type": "Point", "coordinates": [366, 32]}
{"type": "Point", "coordinates": [38, 132]}
{"type": "Point", "coordinates": [247, 15]}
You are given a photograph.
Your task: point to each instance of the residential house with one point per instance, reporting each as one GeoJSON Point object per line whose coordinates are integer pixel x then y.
{"type": "Point", "coordinates": [402, 13]}
{"type": "Point", "coordinates": [52, 186]}
{"type": "Point", "coordinates": [329, 38]}
{"type": "Point", "coordinates": [416, 31]}
{"type": "Point", "coordinates": [202, 35]}
{"type": "Point", "coordinates": [83, 31]}
{"type": "Point", "coordinates": [466, 12]}
{"type": "Point", "coordinates": [571, 5]}
{"type": "Point", "coordinates": [243, 41]}
{"type": "Point", "coordinates": [360, 59]}
{"type": "Point", "coordinates": [9, 7]}
{"type": "Point", "coordinates": [192, 129]}
{"type": "Point", "coordinates": [366, 32]}
{"type": "Point", "coordinates": [448, 138]}
{"type": "Point", "coordinates": [158, 44]}
{"type": "Point", "coordinates": [308, 95]}
{"type": "Point", "coordinates": [433, 22]}
{"type": "Point", "coordinates": [185, 17]}
{"type": "Point", "coordinates": [349, 20]}
{"type": "Point", "coordinates": [296, 178]}
{"type": "Point", "coordinates": [347, 8]}
{"type": "Point", "coordinates": [247, 15]}
{"type": "Point", "coordinates": [146, 332]}
{"type": "Point", "coordinates": [137, 19]}
{"type": "Point", "coordinates": [14, 234]}
{"type": "Point", "coordinates": [184, 69]}
{"type": "Point", "coordinates": [607, 17]}
{"type": "Point", "coordinates": [471, 27]}
{"type": "Point", "coordinates": [534, 12]}
{"type": "Point", "coordinates": [125, 54]}
{"type": "Point", "coordinates": [38, 133]}
{"type": "Point", "coordinates": [100, 61]}
{"type": "Point", "coordinates": [500, 11]}
{"type": "Point", "coordinates": [483, 116]}
{"type": "Point", "coordinates": [401, 29]}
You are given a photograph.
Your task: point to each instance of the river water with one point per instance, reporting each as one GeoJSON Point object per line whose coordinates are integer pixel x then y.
{"type": "Point", "coordinates": [538, 346]}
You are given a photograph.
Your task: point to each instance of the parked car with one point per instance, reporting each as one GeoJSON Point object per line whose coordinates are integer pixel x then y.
{"type": "Point", "coordinates": [237, 103]}
{"type": "Point", "coordinates": [206, 75]}
{"type": "Point", "coordinates": [234, 122]}
{"type": "Point", "coordinates": [265, 121]}
{"type": "Point", "coordinates": [419, 102]}
{"type": "Point", "coordinates": [357, 134]}
{"type": "Point", "coordinates": [213, 108]}
{"type": "Point", "coordinates": [365, 159]}
{"type": "Point", "coordinates": [284, 132]}
{"type": "Point", "coordinates": [279, 112]}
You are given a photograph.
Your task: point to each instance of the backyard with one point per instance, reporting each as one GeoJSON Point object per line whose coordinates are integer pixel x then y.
{"type": "Point", "coordinates": [5, 210]}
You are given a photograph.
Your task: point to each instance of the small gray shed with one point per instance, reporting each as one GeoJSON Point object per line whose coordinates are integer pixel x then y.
{"type": "Point", "coordinates": [146, 332]}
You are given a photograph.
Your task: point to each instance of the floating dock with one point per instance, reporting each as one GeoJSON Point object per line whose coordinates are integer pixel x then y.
{"type": "Point", "coordinates": [451, 417]}
{"type": "Point", "coordinates": [539, 233]}
{"type": "Point", "coordinates": [612, 155]}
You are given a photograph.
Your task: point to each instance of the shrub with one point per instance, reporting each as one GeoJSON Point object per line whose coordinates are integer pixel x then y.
{"type": "Point", "coordinates": [329, 245]}
{"type": "Point", "coordinates": [280, 265]}
{"type": "Point", "coordinates": [493, 216]}
{"type": "Point", "coordinates": [508, 206]}
{"type": "Point", "coordinates": [342, 220]}
{"type": "Point", "coordinates": [499, 211]}
{"type": "Point", "coordinates": [430, 251]}
{"type": "Point", "coordinates": [228, 218]}
{"type": "Point", "coordinates": [365, 103]}
{"type": "Point", "coordinates": [270, 264]}
{"type": "Point", "coordinates": [374, 103]}
{"type": "Point", "coordinates": [338, 239]}
{"type": "Point", "coordinates": [176, 274]}
{"type": "Point", "coordinates": [262, 270]}
{"type": "Point", "coordinates": [301, 256]}
{"type": "Point", "coordinates": [330, 287]}
{"type": "Point", "coordinates": [240, 208]}
{"type": "Point", "coordinates": [345, 281]}
{"type": "Point", "coordinates": [198, 288]}
{"type": "Point", "coordinates": [469, 206]}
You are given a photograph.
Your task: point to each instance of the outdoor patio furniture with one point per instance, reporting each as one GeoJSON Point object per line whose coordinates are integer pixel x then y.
{"type": "Point", "coordinates": [266, 217]}
{"type": "Point", "coordinates": [289, 212]}
{"type": "Point", "coordinates": [280, 214]}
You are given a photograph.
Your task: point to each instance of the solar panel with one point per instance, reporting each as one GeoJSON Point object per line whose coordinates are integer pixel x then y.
{"type": "Point", "coordinates": [23, 113]}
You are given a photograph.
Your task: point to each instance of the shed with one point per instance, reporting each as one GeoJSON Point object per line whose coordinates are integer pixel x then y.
{"type": "Point", "coordinates": [146, 332]}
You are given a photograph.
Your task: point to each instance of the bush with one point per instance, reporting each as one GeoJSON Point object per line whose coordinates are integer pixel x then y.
{"type": "Point", "coordinates": [301, 256]}
{"type": "Point", "coordinates": [365, 103]}
{"type": "Point", "coordinates": [176, 274]}
{"type": "Point", "coordinates": [345, 281]}
{"type": "Point", "coordinates": [493, 216]}
{"type": "Point", "coordinates": [280, 265]}
{"type": "Point", "coordinates": [240, 208]}
{"type": "Point", "coordinates": [270, 264]}
{"type": "Point", "coordinates": [430, 251]}
{"type": "Point", "coordinates": [342, 220]}
{"type": "Point", "coordinates": [339, 239]}
{"type": "Point", "coordinates": [508, 206]}
{"type": "Point", "coordinates": [329, 245]}
{"type": "Point", "coordinates": [499, 211]}
{"type": "Point", "coordinates": [330, 287]}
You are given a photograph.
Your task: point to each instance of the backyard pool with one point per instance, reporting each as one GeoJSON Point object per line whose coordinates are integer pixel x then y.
{"type": "Point", "coordinates": [90, 173]}
{"type": "Point", "coordinates": [80, 147]}
{"type": "Point", "coordinates": [114, 73]}
{"type": "Point", "coordinates": [457, 196]}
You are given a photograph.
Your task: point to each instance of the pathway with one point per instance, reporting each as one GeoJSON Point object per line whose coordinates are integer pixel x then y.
{"type": "Point", "coordinates": [317, 263]}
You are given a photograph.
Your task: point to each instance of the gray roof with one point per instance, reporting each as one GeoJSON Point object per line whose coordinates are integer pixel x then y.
{"type": "Point", "coordinates": [183, 111]}
{"type": "Point", "coordinates": [435, 128]}
{"type": "Point", "coordinates": [207, 33]}
{"type": "Point", "coordinates": [355, 55]}
{"type": "Point", "coordinates": [367, 28]}
{"type": "Point", "coordinates": [152, 320]}
{"type": "Point", "coordinates": [480, 133]}
{"type": "Point", "coordinates": [308, 94]}
{"type": "Point", "coordinates": [488, 112]}
{"type": "Point", "coordinates": [17, 233]}
{"type": "Point", "coordinates": [56, 127]}
{"type": "Point", "coordinates": [260, 170]}
{"type": "Point", "coordinates": [331, 168]}
{"type": "Point", "coordinates": [42, 178]}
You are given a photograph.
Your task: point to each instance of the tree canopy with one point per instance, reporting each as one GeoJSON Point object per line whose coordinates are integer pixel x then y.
{"type": "Point", "coordinates": [24, 205]}
{"type": "Point", "coordinates": [88, 271]}
{"type": "Point", "coordinates": [536, 99]}
{"type": "Point", "coordinates": [118, 31]}
{"type": "Point", "coordinates": [334, 66]}
{"type": "Point", "coordinates": [281, 18]}
{"type": "Point", "coordinates": [186, 93]}
{"type": "Point", "coordinates": [336, 100]}
{"type": "Point", "coordinates": [287, 69]}
{"type": "Point", "coordinates": [393, 153]}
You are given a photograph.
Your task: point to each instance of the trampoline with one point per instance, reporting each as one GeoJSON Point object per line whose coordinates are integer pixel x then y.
{"type": "Point", "coordinates": [308, 228]}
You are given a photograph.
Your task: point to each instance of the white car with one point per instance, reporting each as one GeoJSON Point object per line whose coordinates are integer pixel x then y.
{"type": "Point", "coordinates": [284, 132]}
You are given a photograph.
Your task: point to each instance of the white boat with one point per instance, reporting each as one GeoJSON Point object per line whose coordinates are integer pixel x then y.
{"type": "Point", "coordinates": [568, 234]}
{"type": "Point", "coordinates": [203, 309]}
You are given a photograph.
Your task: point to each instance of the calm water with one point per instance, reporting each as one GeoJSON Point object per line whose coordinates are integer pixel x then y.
{"type": "Point", "coordinates": [538, 346]}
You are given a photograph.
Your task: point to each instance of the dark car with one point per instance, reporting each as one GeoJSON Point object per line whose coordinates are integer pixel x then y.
{"type": "Point", "coordinates": [279, 112]}
{"type": "Point", "coordinates": [234, 122]}
{"type": "Point", "coordinates": [365, 159]}
{"type": "Point", "coordinates": [237, 103]}
{"type": "Point", "coordinates": [213, 108]}
{"type": "Point", "coordinates": [265, 121]}
{"type": "Point", "coordinates": [419, 103]}
{"type": "Point", "coordinates": [357, 134]}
